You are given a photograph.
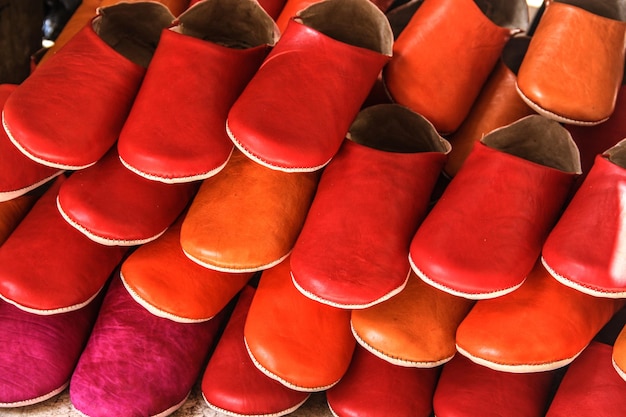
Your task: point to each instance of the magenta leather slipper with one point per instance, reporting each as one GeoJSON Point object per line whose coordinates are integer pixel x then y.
{"type": "Point", "coordinates": [39, 353]}
{"type": "Point", "coordinates": [138, 364]}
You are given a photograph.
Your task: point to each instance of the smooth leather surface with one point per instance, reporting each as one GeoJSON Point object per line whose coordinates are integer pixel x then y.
{"type": "Point", "coordinates": [247, 217]}
{"type": "Point", "coordinates": [352, 251]}
{"type": "Point", "coordinates": [161, 278]}
{"type": "Point", "coordinates": [137, 364]}
{"type": "Point", "coordinates": [543, 325]}
{"type": "Point", "coordinates": [484, 234]}
{"type": "Point", "coordinates": [590, 387]}
{"type": "Point", "coordinates": [374, 387]}
{"type": "Point", "coordinates": [497, 105]}
{"type": "Point", "coordinates": [585, 52]}
{"type": "Point", "coordinates": [18, 173]}
{"type": "Point", "coordinates": [114, 206]}
{"type": "Point", "coordinates": [466, 389]}
{"type": "Point", "coordinates": [57, 270]}
{"type": "Point", "coordinates": [175, 131]}
{"type": "Point", "coordinates": [415, 328]}
{"type": "Point", "coordinates": [303, 344]}
{"type": "Point", "coordinates": [442, 58]}
{"type": "Point", "coordinates": [232, 383]}
{"type": "Point", "coordinates": [586, 248]}
{"type": "Point", "coordinates": [55, 124]}
{"type": "Point", "coordinates": [296, 110]}
{"type": "Point", "coordinates": [39, 353]}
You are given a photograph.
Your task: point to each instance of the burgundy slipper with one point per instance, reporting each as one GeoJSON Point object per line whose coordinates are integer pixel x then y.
{"type": "Point", "coordinates": [39, 353]}
{"type": "Point", "coordinates": [138, 364]}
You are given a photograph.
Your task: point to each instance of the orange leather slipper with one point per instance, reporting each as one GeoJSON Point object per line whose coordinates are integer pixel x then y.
{"type": "Point", "coordinates": [543, 325]}
{"type": "Point", "coordinates": [299, 342]}
{"type": "Point", "coordinates": [160, 277]}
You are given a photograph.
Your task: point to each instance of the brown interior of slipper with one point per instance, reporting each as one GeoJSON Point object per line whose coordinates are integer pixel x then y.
{"type": "Point", "coordinates": [393, 128]}
{"type": "Point", "coordinates": [537, 139]}
{"type": "Point", "coordinates": [355, 22]}
{"type": "Point", "coordinates": [133, 29]}
{"type": "Point", "coordinates": [512, 14]}
{"type": "Point", "coordinates": [617, 154]}
{"type": "Point", "coordinates": [233, 23]}
{"type": "Point", "coordinates": [611, 9]}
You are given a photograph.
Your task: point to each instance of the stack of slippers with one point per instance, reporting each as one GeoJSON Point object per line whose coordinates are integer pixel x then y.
{"type": "Point", "coordinates": [49, 306]}
{"type": "Point", "coordinates": [218, 204]}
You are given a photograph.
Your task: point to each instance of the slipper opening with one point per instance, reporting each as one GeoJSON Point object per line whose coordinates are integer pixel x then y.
{"type": "Point", "coordinates": [133, 29]}
{"type": "Point", "coordinates": [395, 128]}
{"type": "Point", "coordinates": [238, 24]}
{"type": "Point", "coordinates": [617, 154]}
{"type": "Point", "coordinates": [537, 139]}
{"type": "Point", "coordinates": [355, 22]}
